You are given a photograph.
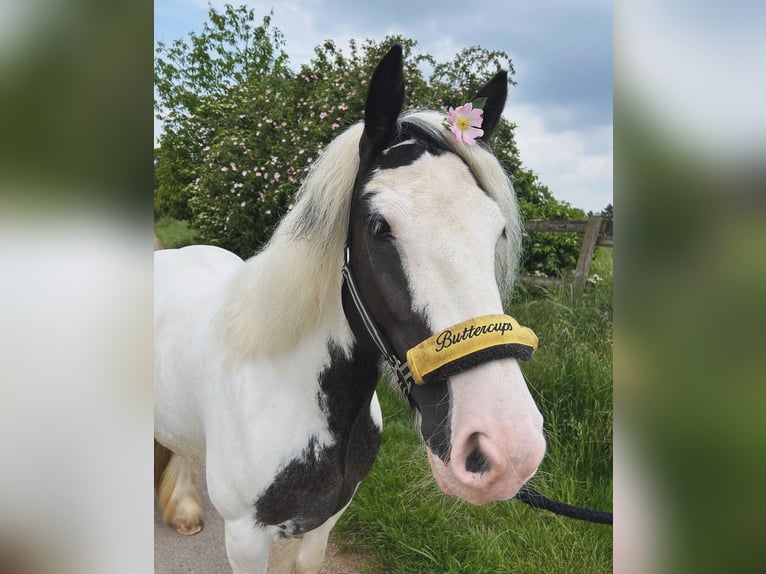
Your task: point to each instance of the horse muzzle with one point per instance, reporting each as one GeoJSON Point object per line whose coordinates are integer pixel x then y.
{"type": "Point", "coordinates": [497, 440]}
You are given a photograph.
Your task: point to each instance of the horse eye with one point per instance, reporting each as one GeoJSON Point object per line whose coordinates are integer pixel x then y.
{"type": "Point", "coordinates": [379, 227]}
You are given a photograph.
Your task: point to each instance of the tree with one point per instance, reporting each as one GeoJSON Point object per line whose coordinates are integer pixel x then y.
{"type": "Point", "coordinates": [199, 96]}
{"type": "Point", "coordinates": [241, 129]}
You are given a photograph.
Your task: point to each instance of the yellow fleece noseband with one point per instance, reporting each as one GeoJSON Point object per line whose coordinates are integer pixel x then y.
{"type": "Point", "coordinates": [468, 344]}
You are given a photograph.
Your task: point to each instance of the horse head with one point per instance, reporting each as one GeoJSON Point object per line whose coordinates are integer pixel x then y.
{"type": "Point", "coordinates": [433, 238]}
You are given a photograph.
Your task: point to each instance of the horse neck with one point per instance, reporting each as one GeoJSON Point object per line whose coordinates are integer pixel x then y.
{"type": "Point", "coordinates": [285, 293]}
{"type": "Point", "coordinates": [288, 299]}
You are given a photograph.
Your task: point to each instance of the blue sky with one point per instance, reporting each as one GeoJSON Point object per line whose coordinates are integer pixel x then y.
{"type": "Point", "coordinates": [561, 50]}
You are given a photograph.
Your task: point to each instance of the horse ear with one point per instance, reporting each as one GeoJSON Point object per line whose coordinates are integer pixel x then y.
{"type": "Point", "coordinates": [496, 90]}
{"type": "Point", "coordinates": [385, 99]}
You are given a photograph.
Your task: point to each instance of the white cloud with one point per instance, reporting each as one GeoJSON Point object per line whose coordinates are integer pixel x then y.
{"type": "Point", "coordinates": [575, 164]}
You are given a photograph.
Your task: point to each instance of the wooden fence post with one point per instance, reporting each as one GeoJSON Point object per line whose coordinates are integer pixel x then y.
{"type": "Point", "coordinates": [592, 230]}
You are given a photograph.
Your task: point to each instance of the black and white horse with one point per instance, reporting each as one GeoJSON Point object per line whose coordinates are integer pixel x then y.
{"type": "Point", "coordinates": [266, 369]}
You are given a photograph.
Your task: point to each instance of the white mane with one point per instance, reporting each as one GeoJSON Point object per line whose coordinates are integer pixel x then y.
{"type": "Point", "coordinates": [294, 283]}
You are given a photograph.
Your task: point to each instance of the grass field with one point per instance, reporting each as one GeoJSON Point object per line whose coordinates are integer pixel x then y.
{"type": "Point", "coordinates": [402, 521]}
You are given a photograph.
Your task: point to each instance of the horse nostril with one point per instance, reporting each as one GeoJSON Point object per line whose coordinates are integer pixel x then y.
{"type": "Point", "coordinates": [476, 461]}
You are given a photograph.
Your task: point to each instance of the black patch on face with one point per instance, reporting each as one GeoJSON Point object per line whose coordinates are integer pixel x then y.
{"type": "Point", "coordinates": [433, 401]}
{"type": "Point", "coordinates": [412, 131]}
{"type": "Point", "coordinates": [411, 143]}
{"type": "Point", "coordinates": [379, 274]}
{"type": "Point", "coordinates": [310, 489]}
{"type": "Point", "coordinates": [400, 155]}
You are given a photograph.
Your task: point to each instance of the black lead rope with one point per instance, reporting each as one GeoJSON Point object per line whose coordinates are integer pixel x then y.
{"type": "Point", "coordinates": [537, 500]}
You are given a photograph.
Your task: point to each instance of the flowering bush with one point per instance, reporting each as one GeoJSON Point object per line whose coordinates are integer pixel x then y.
{"type": "Point", "coordinates": [241, 129]}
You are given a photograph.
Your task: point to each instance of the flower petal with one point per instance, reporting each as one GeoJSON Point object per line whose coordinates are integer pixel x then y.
{"type": "Point", "coordinates": [476, 117]}
{"type": "Point", "coordinates": [470, 135]}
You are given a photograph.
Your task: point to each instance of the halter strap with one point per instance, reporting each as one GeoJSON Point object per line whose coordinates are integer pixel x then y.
{"type": "Point", "coordinates": [401, 370]}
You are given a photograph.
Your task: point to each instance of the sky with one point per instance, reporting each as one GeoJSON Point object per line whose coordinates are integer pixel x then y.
{"type": "Point", "coordinates": [561, 51]}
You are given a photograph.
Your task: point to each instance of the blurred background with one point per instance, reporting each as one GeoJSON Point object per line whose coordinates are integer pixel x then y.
{"type": "Point", "coordinates": [76, 269]}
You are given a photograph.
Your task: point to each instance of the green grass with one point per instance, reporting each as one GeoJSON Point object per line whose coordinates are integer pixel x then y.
{"type": "Point", "coordinates": [601, 268]}
{"type": "Point", "coordinates": [400, 518]}
{"type": "Point", "coordinates": [174, 233]}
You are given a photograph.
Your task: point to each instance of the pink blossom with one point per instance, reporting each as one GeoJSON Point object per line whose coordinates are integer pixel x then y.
{"type": "Point", "coordinates": [335, 126]}
{"type": "Point", "coordinates": [465, 122]}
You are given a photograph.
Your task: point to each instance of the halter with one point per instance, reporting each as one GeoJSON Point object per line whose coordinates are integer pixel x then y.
{"type": "Point", "coordinates": [450, 351]}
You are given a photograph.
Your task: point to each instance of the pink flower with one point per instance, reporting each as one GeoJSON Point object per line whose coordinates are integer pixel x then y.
{"type": "Point", "coordinates": [465, 122]}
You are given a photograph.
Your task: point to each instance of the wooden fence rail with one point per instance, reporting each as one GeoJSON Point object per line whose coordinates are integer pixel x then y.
{"type": "Point", "coordinates": [593, 232]}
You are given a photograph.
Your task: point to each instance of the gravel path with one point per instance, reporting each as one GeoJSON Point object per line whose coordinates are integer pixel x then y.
{"type": "Point", "coordinates": [205, 553]}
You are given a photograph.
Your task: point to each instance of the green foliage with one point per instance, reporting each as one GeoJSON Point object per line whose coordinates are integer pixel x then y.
{"type": "Point", "coordinates": [399, 516]}
{"type": "Point", "coordinates": [212, 91]}
{"type": "Point", "coordinates": [550, 254]}
{"type": "Point", "coordinates": [241, 129]}
{"type": "Point", "coordinates": [174, 233]}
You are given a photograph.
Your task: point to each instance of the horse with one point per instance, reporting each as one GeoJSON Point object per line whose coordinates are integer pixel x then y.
{"type": "Point", "coordinates": [266, 369]}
